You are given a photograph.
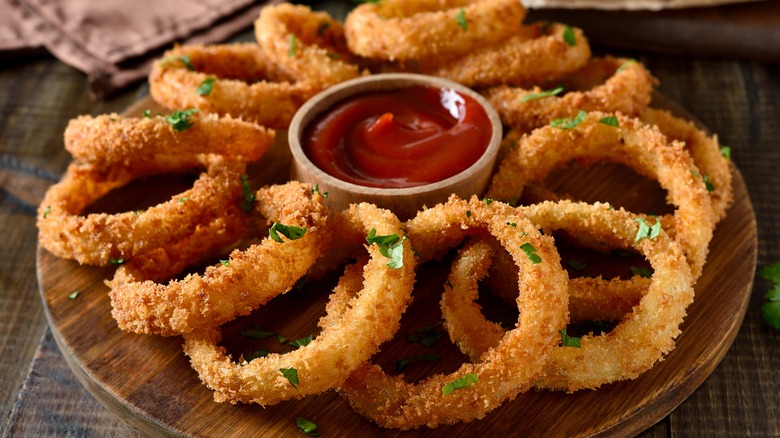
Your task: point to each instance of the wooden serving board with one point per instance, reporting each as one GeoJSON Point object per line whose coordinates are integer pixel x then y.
{"type": "Point", "coordinates": [148, 382]}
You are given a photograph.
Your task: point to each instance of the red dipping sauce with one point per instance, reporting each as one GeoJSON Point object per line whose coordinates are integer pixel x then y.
{"type": "Point", "coordinates": [398, 138]}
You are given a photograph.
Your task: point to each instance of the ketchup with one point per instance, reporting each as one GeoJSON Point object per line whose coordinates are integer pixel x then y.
{"type": "Point", "coordinates": [400, 138]}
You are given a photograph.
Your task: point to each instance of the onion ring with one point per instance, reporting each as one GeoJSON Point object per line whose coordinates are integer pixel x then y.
{"type": "Point", "coordinates": [309, 44]}
{"type": "Point", "coordinates": [347, 340]}
{"type": "Point", "coordinates": [246, 83]}
{"type": "Point", "coordinates": [627, 89]}
{"type": "Point", "coordinates": [534, 56]}
{"type": "Point", "coordinates": [112, 139]}
{"type": "Point", "coordinates": [251, 278]}
{"type": "Point", "coordinates": [503, 371]}
{"type": "Point", "coordinates": [632, 143]}
{"type": "Point", "coordinates": [100, 238]}
{"type": "Point", "coordinates": [405, 29]}
{"type": "Point", "coordinates": [638, 342]}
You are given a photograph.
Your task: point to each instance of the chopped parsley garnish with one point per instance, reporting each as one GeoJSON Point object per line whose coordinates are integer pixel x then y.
{"type": "Point", "coordinates": [116, 261]}
{"type": "Point", "coordinates": [255, 354]}
{"type": "Point", "coordinates": [291, 374]}
{"type": "Point", "coordinates": [460, 17]}
{"type": "Point", "coordinates": [642, 271]}
{"type": "Point", "coordinates": [530, 251]}
{"type": "Point", "coordinates": [647, 231]}
{"type": "Point", "coordinates": [458, 384]}
{"type": "Point", "coordinates": [706, 179]}
{"type": "Point", "coordinates": [569, 37]}
{"type": "Point", "coordinates": [180, 120]}
{"type": "Point", "coordinates": [512, 224]}
{"type": "Point", "coordinates": [184, 59]}
{"type": "Point", "coordinates": [182, 200]}
{"type": "Point", "coordinates": [307, 427]}
{"type": "Point", "coordinates": [46, 211]}
{"type": "Point", "coordinates": [390, 246]}
{"type": "Point", "coordinates": [291, 53]}
{"type": "Point", "coordinates": [569, 123]}
{"type": "Point", "coordinates": [577, 265]}
{"type": "Point", "coordinates": [205, 87]}
{"type": "Point", "coordinates": [426, 336]}
{"type": "Point", "coordinates": [73, 295]}
{"type": "Point", "coordinates": [468, 213]}
{"type": "Point", "coordinates": [488, 201]}
{"type": "Point", "coordinates": [249, 195]}
{"type": "Point", "coordinates": [569, 341]}
{"type": "Point", "coordinates": [148, 114]}
{"type": "Point", "coordinates": [625, 65]}
{"type": "Point", "coordinates": [225, 262]}
{"type": "Point", "coordinates": [771, 310]}
{"type": "Point", "coordinates": [137, 212]}
{"type": "Point", "coordinates": [256, 333]}
{"type": "Point", "coordinates": [726, 152]}
{"type": "Point", "coordinates": [289, 231]}
{"type": "Point", "coordinates": [610, 121]}
{"type": "Point", "coordinates": [403, 363]}
{"type": "Point", "coordinates": [539, 95]}
{"type": "Point", "coordinates": [316, 189]}
{"type": "Point", "coordinates": [281, 339]}
{"type": "Point", "coordinates": [298, 343]}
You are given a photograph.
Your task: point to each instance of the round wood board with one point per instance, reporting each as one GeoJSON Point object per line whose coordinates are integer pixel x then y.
{"type": "Point", "coordinates": [148, 382]}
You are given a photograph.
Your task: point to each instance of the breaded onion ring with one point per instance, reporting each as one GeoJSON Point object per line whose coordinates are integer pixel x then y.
{"type": "Point", "coordinates": [534, 56]}
{"type": "Point", "coordinates": [100, 238]}
{"type": "Point", "coordinates": [631, 143]}
{"type": "Point", "coordinates": [417, 29]}
{"type": "Point", "coordinates": [627, 89]}
{"type": "Point", "coordinates": [246, 83]}
{"type": "Point", "coordinates": [638, 342]}
{"type": "Point", "coordinates": [309, 44]}
{"type": "Point", "coordinates": [223, 292]}
{"type": "Point", "coordinates": [347, 340]}
{"type": "Point", "coordinates": [503, 371]}
{"type": "Point", "coordinates": [112, 139]}
{"type": "Point", "coordinates": [705, 151]}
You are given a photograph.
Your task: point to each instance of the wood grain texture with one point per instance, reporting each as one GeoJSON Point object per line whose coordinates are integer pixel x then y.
{"type": "Point", "coordinates": [148, 382]}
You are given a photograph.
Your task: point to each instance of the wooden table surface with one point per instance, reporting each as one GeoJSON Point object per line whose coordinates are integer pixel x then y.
{"type": "Point", "coordinates": [39, 396]}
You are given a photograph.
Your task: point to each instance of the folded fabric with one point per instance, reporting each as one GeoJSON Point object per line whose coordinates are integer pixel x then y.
{"type": "Point", "coordinates": [115, 41]}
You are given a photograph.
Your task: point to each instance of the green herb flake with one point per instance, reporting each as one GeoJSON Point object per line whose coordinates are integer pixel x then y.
{"type": "Point", "coordinates": [610, 121]}
{"type": "Point", "coordinates": [182, 200]}
{"type": "Point", "coordinates": [249, 195]}
{"type": "Point", "coordinates": [291, 374]}
{"type": "Point", "coordinates": [468, 213]}
{"type": "Point", "coordinates": [706, 179]}
{"type": "Point", "coordinates": [512, 224]}
{"type": "Point", "coordinates": [298, 343]}
{"type": "Point", "coordinates": [137, 212]}
{"type": "Point", "coordinates": [548, 93]}
{"type": "Point", "coordinates": [256, 354]}
{"type": "Point", "coordinates": [281, 339]}
{"type": "Point", "coordinates": [148, 114]}
{"type": "Point", "coordinates": [726, 152]}
{"type": "Point", "coordinates": [400, 365]}
{"type": "Point", "coordinates": [625, 65]}
{"type": "Point", "coordinates": [116, 261]}
{"type": "Point", "coordinates": [291, 53]}
{"type": "Point", "coordinates": [205, 87]}
{"type": "Point", "coordinates": [289, 231]}
{"type": "Point", "coordinates": [647, 231]}
{"type": "Point", "coordinates": [316, 189]}
{"type": "Point", "coordinates": [577, 265]}
{"type": "Point", "coordinates": [73, 295]}
{"type": "Point", "coordinates": [460, 17]}
{"type": "Point", "coordinates": [642, 271]}
{"type": "Point", "coordinates": [225, 263]}
{"type": "Point", "coordinates": [180, 120]}
{"type": "Point", "coordinates": [46, 211]}
{"type": "Point", "coordinates": [771, 310]}
{"type": "Point", "coordinates": [256, 333]}
{"type": "Point", "coordinates": [488, 201]}
{"type": "Point", "coordinates": [569, 123]}
{"type": "Point", "coordinates": [569, 341]}
{"type": "Point", "coordinates": [390, 246]}
{"type": "Point", "coordinates": [569, 37]}
{"type": "Point", "coordinates": [307, 427]}
{"type": "Point", "coordinates": [530, 251]}
{"type": "Point", "coordinates": [458, 384]}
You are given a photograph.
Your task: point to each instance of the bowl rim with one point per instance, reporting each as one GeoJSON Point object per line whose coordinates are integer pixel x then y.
{"type": "Point", "coordinates": [389, 81]}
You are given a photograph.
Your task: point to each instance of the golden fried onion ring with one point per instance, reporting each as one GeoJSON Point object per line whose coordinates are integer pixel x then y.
{"type": "Point", "coordinates": [101, 238]}
{"type": "Point", "coordinates": [627, 89]}
{"type": "Point", "coordinates": [534, 56]}
{"type": "Point", "coordinates": [222, 293]}
{"type": "Point", "coordinates": [638, 342]}
{"type": "Point", "coordinates": [504, 371]}
{"type": "Point", "coordinates": [247, 84]}
{"type": "Point", "coordinates": [633, 144]}
{"type": "Point", "coordinates": [309, 44]}
{"type": "Point", "coordinates": [417, 29]}
{"type": "Point", "coordinates": [112, 139]}
{"type": "Point", "coordinates": [348, 338]}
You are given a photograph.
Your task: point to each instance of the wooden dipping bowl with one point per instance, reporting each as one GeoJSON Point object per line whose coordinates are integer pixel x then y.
{"type": "Point", "coordinates": [404, 202]}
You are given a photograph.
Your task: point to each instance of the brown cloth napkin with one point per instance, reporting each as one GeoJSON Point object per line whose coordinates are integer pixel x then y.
{"type": "Point", "coordinates": [115, 41]}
